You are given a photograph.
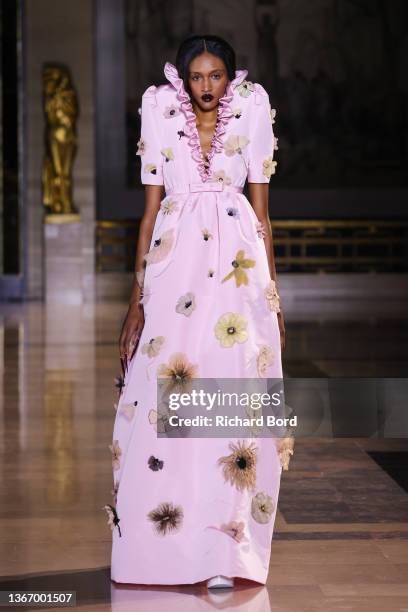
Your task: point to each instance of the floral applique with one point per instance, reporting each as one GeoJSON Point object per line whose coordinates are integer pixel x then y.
{"type": "Point", "coordinates": [159, 418]}
{"type": "Point", "coordinates": [232, 212]}
{"type": "Point", "coordinates": [260, 229]}
{"type": "Point", "coordinates": [186, 304]}
{"type": "Point", "coordinates": [272, 112]}
{"type": "Point", "coordinates": [171, 111]}
{"type": "Point", "coordinates": [239, 468]}
{"type": "Point", "coordinates": [128, 410]}
{"type": "Point", "coordinates": [206, 234]}
{"type": "Point", "coordinates": [231, 327]}
{"type": "Point", "coordinates": [161, 247]}
{"type": "Point", "coordinates": [240, 263]}
{"type": "Point", "coordinates": [272, 296]}
{"type": "Point", "coordinates": [262, 507]}
{"type": "Point", "coordinates": [211, 273]}
{"type": "Point", "coordinates": [116, 454]}
{"type": "Point", "coordinates": [141, 147]}
{"type": "Point", "coordinates": [246, 88]}
{"type": "Point", "coordinates": [119, 384]}
{"type": "Point", "coordinates": [234, 529]}
{"type": "Point", "coordinates": [275, 143]}
{"type": "Point", "coordinates": [179, 371]}
{"type": "Point", "coordinates": [113, 519]}
{"type": "Point", "coordinates": [181, 133]}
{"type": "Point", "coordinates": [152, 348]}
{"type": "Point", "coordinates": [269, 167]}
{"type": "Point", "coordinates": [155, 464]}
{"type": "Point", "coordinates": [150, 169]}
{"type": "Point", "coordinates": [235, 144]}
{"type": "Point", "coordinates": [285, 450]}
{"type": "Point", "coordinates": [167, 154]}
{"type": "Point", "coordinates": [237, 112]}
{"type": "Point", "coordinates": [166, 518]}
{"type": "Point", "coordinates": [168, 207]}
{"type": "Point", "coordinates": [220, 177]}
{"type": "Point", "coordinates": [264, 359]}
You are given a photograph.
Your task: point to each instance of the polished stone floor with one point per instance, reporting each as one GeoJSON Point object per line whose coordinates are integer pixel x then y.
{"type": "Point", "coordinates": [341, 537]}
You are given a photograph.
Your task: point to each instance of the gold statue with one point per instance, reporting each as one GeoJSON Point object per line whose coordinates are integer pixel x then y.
{"type": "Point", "coordinates": [61, 111]}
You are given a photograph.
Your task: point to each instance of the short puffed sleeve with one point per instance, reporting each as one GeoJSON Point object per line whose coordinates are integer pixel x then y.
{"type": "Point", "coordinates": [262, 142]}
{"type": "Point", "coordinates": [149, 147]}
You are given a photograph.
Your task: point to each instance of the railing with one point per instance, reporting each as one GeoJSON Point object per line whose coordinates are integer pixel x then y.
{"type": "Point", "coordinates": [306, 245]}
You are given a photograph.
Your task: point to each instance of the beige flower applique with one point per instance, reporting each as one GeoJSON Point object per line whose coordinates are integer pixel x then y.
{"type": "Point", "coordinates": [235, 529]}
{"type": "Point", "coordinates": [273, 114]}
{"type": "Point", "coordinates": [285, 448]}
{"type": "Point", "coordinates": [262, 507]}
{"type": "Point", "coordinates": [186, 304]}
{"type": "Point", "coordinates": [239, 468]}
{"type": "Point", "coordinates": [220, 177]}
{"type": "Point", "coordinates": [245, 88]}
{"type": "Point", "coordinates": [168, 207]}
{"type": "Point", "coordinates": [179, 371]}
{"type": "Point", "coordinates": [152, 348]}
{"type": "Point", "coordinates": [116, 454]}
{"type": "Point", "coordinates": [260, 229]}
{"type": "Point", "coordinates": [128, 410]}
{"type": "Point", "coordinates": [141, 147]}
{"type": "Point", "coordinates": [235, 144]}
{"type": "Point", "coordinates": [150, 169]}
{"type": "Point", "coordinates": [159, 418]}
{"type": "Point", "coordinates": [206, 234]}
{"type": "Point", "coordinates": [269, 167]}
{"type": "Point", "coordinates": [237, 112]}
{"type": "Point", "coordinates": [167, 154]}
{"type": "Point", "coordinates": [264, 359]}
{"type": "Point", "coordinates": [161, 247]}
{"type": "Point", "coordinates": [272, 296]}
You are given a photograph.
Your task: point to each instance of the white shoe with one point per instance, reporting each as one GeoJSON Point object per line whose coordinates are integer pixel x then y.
{"type": "Point", "coordinates": [220, 582]}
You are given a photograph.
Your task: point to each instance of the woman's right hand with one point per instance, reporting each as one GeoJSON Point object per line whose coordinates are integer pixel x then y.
{"type": "Point", "coordinates": [131, 331]}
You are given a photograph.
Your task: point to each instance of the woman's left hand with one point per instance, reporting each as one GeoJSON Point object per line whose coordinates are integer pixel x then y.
{"type": "Point", "coordinates": [281, 323]}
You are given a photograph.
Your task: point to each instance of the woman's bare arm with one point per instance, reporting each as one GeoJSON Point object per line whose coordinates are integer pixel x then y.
{"type": "Point", "coordinates": [134, 321]}
{"type": "Point", "coordinates": [259, 198]}
{"type": "Point", "coordinates": [153, 196]}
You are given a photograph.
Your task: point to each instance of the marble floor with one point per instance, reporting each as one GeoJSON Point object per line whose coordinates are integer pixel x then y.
{"type": "Point", "coordinates": [341, 533]}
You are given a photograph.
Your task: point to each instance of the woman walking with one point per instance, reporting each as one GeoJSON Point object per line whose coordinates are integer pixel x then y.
{"type": "Point", "coordinates": [204, 304]}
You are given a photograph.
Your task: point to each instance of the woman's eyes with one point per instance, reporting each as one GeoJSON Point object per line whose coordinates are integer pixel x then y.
{"type": "Point", "coordinates": [195, 77]}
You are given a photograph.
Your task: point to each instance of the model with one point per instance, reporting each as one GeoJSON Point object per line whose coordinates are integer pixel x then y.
{"type": "Point", "coordinates": [204, 304]}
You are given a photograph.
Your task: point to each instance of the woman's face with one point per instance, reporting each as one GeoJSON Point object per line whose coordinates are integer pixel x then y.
{"type": "Point", "coordinates": [207, 80]}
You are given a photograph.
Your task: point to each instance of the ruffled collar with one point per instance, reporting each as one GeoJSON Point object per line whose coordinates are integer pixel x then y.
{"type": "Point", "coordinates": [190, 129]}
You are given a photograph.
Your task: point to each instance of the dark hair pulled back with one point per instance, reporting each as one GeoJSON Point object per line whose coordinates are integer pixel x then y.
{"type": "Point", "coordinates": [195, 45]}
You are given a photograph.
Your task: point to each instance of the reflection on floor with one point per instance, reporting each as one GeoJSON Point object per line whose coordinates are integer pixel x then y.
{"type": "Point", "coordinates": [342, 526]}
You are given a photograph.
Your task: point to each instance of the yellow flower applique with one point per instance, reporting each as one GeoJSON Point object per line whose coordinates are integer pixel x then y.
{"type": "Point", "coordinates": [239, 264]}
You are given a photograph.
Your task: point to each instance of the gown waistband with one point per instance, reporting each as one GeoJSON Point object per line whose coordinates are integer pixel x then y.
{"type": "Point", "coordinates": [197, 187]}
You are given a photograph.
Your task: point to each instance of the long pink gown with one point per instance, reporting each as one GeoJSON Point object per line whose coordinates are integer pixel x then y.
{"type": "Point", "coordinates": [181, 520]}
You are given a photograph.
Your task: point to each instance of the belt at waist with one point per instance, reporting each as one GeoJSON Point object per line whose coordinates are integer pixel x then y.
{"type": "Point", "coordinates": [197, 187]}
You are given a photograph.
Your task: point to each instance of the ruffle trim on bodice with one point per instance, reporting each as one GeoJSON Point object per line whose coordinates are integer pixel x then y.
{"type": "Point", "coordinates": [190, 129]}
